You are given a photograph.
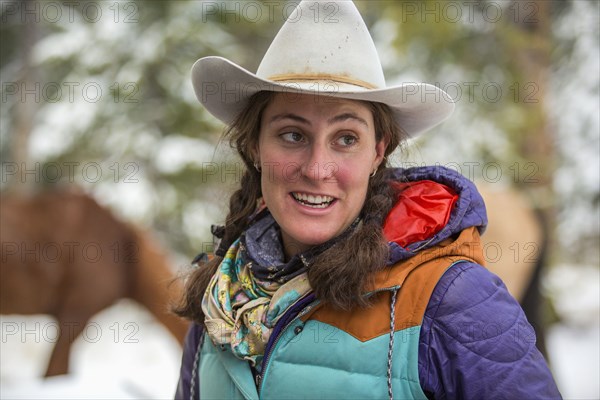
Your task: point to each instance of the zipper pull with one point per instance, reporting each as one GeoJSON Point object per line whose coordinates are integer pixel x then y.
{"type": "Point", "coordinates": [258, 379]}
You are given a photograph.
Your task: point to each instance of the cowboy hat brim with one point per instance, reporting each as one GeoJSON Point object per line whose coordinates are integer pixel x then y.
{"type": "Point", "coordinates": [225, 88]}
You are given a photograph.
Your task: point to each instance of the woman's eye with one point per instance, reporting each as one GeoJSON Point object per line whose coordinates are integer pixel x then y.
{"type": "Point", "coordinates": [347, 140]}
{"type": "Point", "coordinates": [292, 137]}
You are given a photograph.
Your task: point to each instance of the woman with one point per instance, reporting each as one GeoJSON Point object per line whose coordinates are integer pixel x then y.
{"type": "Point", "coordinates": [337, 276]}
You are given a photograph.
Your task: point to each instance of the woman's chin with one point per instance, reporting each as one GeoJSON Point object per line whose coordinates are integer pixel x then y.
{"type": "Point", "coordinates": [298, 242]}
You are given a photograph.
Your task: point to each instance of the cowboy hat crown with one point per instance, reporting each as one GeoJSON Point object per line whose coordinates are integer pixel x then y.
{"type": "Point", "coordinates": [323, 48]}
{"type": "Point", "coordinates": [328, 43]}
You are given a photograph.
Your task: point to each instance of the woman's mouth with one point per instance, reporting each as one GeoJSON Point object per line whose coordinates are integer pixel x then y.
{"type": "Point", "coordinates": [309, 200]}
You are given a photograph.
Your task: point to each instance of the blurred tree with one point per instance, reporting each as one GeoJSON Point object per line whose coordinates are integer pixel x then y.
{"type": "Point", "coordinates": [112, 107]}
{"type": "Point", "coordinates": [504, 63]}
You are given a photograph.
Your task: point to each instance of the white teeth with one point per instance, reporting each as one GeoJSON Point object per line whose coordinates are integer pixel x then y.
{"type": "Point", "coordinates": [313, 201]}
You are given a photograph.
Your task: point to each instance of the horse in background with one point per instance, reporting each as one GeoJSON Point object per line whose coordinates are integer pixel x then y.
{"type": "Point", "coordinates": [66, 256]}
{"type": "Point", "coordinates": [515, 247]}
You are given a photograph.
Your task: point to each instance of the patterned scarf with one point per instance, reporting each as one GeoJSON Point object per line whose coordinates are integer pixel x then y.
{"type": "Point", "coordinates": [253, 287]}
{"type": "Point", "coordinates": [241, 309]}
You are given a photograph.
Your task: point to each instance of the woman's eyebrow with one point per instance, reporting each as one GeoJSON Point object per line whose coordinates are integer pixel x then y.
{"type": "Point", "coordinates": [291, 116]}
{"type": "Point", "coordinates": [346, 116]}
{"type": "Point", "coordinates": [333, 120]}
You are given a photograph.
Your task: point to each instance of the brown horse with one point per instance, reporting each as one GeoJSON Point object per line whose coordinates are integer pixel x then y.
{"type": "Point", "coordinates": [513, 241]}
{"type": "Point", "coordinates": [66, 256]}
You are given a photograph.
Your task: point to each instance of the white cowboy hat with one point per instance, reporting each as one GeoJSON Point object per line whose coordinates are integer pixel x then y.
{"type": "Point", "coordinates": [328, 51]}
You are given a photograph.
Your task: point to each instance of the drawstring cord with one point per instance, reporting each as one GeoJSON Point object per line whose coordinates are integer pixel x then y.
{"type": "Point", "coordinates": [391, 348]}
{"type": "Point", "coordinates": [195, 368]}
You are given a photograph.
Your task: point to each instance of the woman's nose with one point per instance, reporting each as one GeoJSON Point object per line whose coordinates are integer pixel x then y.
{"type": "Point", "coordinates": [319, 163]}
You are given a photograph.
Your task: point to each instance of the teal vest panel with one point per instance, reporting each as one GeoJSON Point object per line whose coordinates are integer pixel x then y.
{"type": "Point", "coordinates": [324, 362]}
{"type": "Point", "coordinates": [223, 376]}
{"type": "Point", "coordinates": [318, 362]}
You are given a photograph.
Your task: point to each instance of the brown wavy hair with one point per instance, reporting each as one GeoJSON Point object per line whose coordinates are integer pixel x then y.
{"type": "Point", "coordinates": [340, 274]}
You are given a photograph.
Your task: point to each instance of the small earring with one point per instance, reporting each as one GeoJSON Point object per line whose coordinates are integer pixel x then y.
{"type": "Point", "coordinates": [257, 166]}
{"type": "Point", "coordinates": [373, 174]}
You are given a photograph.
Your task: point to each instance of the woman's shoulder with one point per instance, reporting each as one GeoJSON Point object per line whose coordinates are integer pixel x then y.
{"type": "Point", "coordinates": [472, 306]}
{"type": "Point", "coordinates": [469, 286]}
{"type": "Point", "coordinates": [475, 340]}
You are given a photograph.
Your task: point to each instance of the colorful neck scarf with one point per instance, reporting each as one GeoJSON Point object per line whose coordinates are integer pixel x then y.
{"type": "Point", "coordinates": [253, 287]}
{"type": "Point", "coordinates": [241, 309]}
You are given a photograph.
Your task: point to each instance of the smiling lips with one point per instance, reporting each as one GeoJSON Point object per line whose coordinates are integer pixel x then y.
{"type": "Point", "coordinates": [309, 200]}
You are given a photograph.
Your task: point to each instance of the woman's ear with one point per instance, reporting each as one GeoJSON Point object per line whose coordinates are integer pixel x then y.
{"type": "Point", "coordinates": [254, 153]}
{"type": "Point", "coordinates": [380, 148]}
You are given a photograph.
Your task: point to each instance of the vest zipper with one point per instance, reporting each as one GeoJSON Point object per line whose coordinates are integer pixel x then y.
{"type": "Point", "coordinates": [306, 310]}
{"type": "Point", "coordinates": [259, 377]}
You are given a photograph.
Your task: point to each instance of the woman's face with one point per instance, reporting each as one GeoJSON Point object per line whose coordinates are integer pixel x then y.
{"type": "Point", "coordinates": [316, 155]}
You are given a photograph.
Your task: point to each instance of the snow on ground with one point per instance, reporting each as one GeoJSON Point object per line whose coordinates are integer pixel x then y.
{"type": "Point", "coordinates": [126, 354]}
{"type": "Point", "coordinates": [122, 354]}
{"type": "Point", "coordinates": [574, 345]}
{"type": "Point", "coordinates": [574, 353]}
